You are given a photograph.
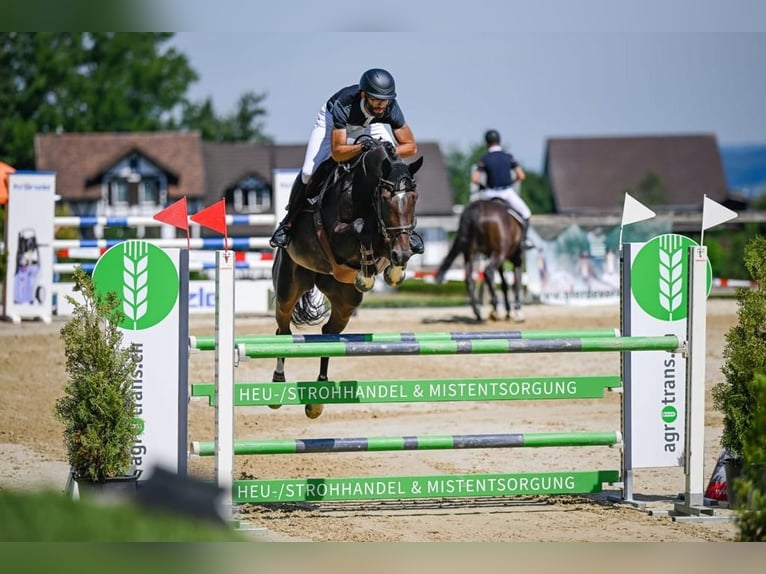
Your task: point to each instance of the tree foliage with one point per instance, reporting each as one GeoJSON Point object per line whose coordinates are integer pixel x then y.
{"type": "Point", "coordinates": [104, 82]}
{"type": "Point", "coordinates": [243, 125]}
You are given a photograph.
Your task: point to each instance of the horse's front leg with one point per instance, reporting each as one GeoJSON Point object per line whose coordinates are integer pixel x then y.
{"type": "Point", "coordinates": [344, 298]}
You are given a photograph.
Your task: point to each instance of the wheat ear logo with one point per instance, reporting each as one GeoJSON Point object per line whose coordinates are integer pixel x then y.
{"type": "Point", "coordinates": [671, 270]}
{"type": "Point", "coordinates": [145, 278]}
{"type": "Point", "coordinates": [135, 289]}
{"type": "Point", "coordinates": [659, 276]}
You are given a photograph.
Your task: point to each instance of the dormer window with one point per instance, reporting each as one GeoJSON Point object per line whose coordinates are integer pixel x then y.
{"type": "Point", "coordinates": [249, 195]}
{"type": "Point", "coordinates": [135, 181]}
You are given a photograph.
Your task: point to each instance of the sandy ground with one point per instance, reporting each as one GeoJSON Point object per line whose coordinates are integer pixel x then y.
{"type": "Point", "coordinates": [32, 375]}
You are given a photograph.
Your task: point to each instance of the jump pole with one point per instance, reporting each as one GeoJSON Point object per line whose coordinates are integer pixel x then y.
{"type": "Point", "coordinates": [224, 379]}
{"type": "Point", "coordinates": [694, 446]}
{"type": "Point", "coordinates": [694, 350]}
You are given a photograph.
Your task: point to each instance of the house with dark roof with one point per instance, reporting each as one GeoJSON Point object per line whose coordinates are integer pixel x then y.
{"type": "Point", "coordinates": [121, 174]}
{"type": "Point", "coordinates": [669, 173]}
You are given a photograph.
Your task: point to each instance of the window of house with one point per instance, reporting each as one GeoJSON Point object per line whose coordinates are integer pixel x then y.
{"type": "Point", "coordinates": [250, 195]}
{"type": "Point", "coordinates": [135, 181]}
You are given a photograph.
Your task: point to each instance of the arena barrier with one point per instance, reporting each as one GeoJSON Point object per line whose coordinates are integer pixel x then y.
{"type": "Point", "coordinates": [254, 258]}
{"type": "Point", "coordinates": [225, 394]}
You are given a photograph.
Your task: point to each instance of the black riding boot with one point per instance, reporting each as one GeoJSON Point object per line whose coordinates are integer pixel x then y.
{"type": "Point", "coordinates": [281, 237]}
{"type": "Point", "coordinates": [526, 243]}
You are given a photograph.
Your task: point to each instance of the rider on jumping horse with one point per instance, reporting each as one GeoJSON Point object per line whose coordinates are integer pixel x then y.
{"type": "Point", "coordinates": [362, 108]}
{"type": "Point", "coordinates": [495, 174]}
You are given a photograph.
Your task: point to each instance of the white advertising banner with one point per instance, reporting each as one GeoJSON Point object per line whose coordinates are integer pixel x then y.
{"type": "Point", "coordinates": [147, 279]}
{"type": "Point", "coordinates": [282, 183]}
{"type": "Point", "coordinates": [655, 282]}
{"type": "Point", "coordinates": [253, 297]}
{"type": "Point", "coordinates": [29, 245]}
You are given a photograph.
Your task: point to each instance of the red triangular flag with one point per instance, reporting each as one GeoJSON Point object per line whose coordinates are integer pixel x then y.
{"type": "Point", "coordinates": [214, 217]}
{"type": "Point", "coordinates": [175, 214]}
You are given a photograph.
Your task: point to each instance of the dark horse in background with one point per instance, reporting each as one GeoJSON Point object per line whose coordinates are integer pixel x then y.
{"type": "Point", "coordinates": [489, 228]}
{"type": "Point", "coordinates": [360, 226]}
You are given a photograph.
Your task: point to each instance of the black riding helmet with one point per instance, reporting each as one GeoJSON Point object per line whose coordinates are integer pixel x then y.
{"type": "Point", "coordinates": [378, 83]}
{"type": "Point", "coordinates": [492, 137]}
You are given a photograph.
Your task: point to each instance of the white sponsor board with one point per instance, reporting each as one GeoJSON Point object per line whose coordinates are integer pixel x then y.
{"type": "Point", "coordinates": [655, 279]}
{"type": "Point", "coordinates": [282, 183]}
{"type": "Point", "coordinates": [147, 279]}
{"type": "Point", "coordinates": [29, 245]}
{"type": "Point", "coordinates": [253, 297]}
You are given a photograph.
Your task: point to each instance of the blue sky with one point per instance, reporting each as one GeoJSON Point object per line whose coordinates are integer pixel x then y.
{"type": "Point", "coordinates": [595, 68]}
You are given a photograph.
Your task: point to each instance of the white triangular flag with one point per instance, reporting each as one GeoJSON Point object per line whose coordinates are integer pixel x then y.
{"type": "Point", "coordinates": [713, 213]}
{"type": "Point", "coordinates": [634, 211]}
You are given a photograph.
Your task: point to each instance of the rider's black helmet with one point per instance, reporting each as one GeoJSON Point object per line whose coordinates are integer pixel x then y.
{"type": "Point", "coordinates": [492, 137]}
{"type": "Point", "coordinates": [378, 83]}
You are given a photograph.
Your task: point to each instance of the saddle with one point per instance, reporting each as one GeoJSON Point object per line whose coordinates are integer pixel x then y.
{"type": "Point", "coordinates": [515, 214]}
{"type": "Point", "coordinates": [331, 173]}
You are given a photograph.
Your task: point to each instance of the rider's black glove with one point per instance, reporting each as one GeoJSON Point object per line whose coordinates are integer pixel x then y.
{"type": "Point", "coordinates": [368, 144]}
{"type": "Point", "coordinates": [390, 149]}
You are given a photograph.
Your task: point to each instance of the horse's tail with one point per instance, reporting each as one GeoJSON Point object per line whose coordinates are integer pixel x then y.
{"type": "Point", "coordinates": [311, 308]}
{"type": "Point", "coordinates": [459, 245]}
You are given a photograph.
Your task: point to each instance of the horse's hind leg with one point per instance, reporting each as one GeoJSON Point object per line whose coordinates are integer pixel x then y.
{"type": "Point", "coordinates": [489, 280]}
{"type": "Point", "coordinates": [517, 314]}
{"type": "Point", "coordinates": [506, 295]}
{"type": "Point", "coordinates": [470, 285]}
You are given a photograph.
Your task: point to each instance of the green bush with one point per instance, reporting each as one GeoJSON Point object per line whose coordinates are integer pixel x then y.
{"type": "Point", "coordinates": [744, 354]}
{"type": "Point", "coordinates": [750, 489]}
{"type": "Point", "coordinates": [98, 406]}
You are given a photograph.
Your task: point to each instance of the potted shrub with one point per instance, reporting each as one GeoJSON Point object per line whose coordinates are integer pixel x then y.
{"type": "Point", "coordinates": [98, 405]}
{"type": "Point", "coordinates": [750, 489]}
{"type": "Point", "coordinates": [744, 357]}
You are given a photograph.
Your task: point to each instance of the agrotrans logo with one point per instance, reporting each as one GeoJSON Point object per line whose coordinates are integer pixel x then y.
{"type": "Point", "coordinates": [144, 277]}
{"type": "Point", "coordinates": [660, 274]}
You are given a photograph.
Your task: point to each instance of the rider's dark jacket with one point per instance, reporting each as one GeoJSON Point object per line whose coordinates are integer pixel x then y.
{"type": "Point", "coordinates": [346, 109]}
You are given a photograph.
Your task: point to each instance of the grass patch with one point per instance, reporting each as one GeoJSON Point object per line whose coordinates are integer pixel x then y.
{"type": "Point", "coordinates": [415, 293]}
{"type": "Point", "coordinates": [53, 517]}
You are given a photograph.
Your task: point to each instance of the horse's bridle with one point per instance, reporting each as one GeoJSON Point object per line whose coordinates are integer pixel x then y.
{"type": "Point", "coordinates": [403, 185]}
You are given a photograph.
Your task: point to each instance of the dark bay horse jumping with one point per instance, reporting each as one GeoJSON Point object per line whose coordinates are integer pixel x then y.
{"type": "Point", "coordinates": [359, 227]}
{"type": "Point", "coordinates": [488, 228]}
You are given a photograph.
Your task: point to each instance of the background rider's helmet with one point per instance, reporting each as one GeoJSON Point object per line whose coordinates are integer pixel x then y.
{"type": "Point", "coordinates": [378, 83]}
{"type": "Point", "coordinates": [492, 137]}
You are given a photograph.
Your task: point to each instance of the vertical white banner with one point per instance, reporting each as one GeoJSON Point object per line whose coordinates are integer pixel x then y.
{"type": "Point", "coordinates": [282, 184]}
{"type": "Point", "coordinates": [656, 276]}
{"type": "Point", "coordinates": [29, 245]}
{"type": "Point", "coordinates": [147, 279]}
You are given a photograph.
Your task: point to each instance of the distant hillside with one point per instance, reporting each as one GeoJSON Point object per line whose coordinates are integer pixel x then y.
{"type": "Point", "coordinates": [745, 168]}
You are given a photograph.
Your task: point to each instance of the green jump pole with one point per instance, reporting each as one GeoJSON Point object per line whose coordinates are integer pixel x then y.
{"type": "Point", "coordinates": [208, 343]}
{"type": "Point", "coordinates": [670, 343]}
{"type": "Point", "coordinates": [397, 443]}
